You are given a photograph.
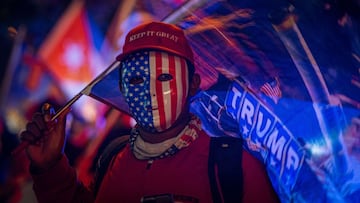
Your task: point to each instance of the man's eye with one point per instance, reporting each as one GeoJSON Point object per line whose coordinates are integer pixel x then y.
{"type": "Point", "coordinates": [136, 80]}
{"type": "Point", "coordinates": [165, 77]}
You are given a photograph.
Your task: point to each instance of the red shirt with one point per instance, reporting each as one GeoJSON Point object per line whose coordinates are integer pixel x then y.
{"type": "Point", "coordinates": [184, 176]}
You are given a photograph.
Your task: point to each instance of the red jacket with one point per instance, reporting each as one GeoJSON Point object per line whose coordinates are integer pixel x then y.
{"type": "Point", "coordinates": [184, 176]}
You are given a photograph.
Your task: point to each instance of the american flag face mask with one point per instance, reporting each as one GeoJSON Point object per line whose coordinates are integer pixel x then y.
{"type": "Point", "coordinates": [155, 85]}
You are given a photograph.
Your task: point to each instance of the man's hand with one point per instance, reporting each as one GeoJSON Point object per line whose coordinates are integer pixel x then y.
{"type": "Point", "coordinates": [46, 137]}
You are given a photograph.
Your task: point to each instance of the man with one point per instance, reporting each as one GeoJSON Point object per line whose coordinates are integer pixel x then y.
{"type": "Point", "coordinates": [167, 157]}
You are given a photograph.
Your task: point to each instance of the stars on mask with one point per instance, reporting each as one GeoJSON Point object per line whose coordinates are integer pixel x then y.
{"type": "Point", "coordinates": [137, 95]}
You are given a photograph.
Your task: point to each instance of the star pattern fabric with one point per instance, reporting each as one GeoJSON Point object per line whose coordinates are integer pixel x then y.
{"type": "Point", "coordinates": [138, 67]}
{"type": "Point", "coordinates": [144, 150]}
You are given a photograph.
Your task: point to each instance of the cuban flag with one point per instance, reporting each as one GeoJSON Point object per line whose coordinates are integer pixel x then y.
{"type": "Point", "coordinates": [69, 52]}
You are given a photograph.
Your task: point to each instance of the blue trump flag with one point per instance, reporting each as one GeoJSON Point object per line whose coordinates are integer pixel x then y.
{"type": "Point", "coordinates": [284, 63]}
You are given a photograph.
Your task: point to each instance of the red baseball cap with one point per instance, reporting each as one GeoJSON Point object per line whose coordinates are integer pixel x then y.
{"type": "Point", "coordinates": [160, 36]}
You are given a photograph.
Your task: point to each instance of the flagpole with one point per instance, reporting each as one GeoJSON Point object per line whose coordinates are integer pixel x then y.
{"type": "Point", "coordinates": [85, 91]}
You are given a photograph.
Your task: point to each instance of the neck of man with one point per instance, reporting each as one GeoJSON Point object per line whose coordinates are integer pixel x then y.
{"type": "Point", "coordinates": [173, 131]}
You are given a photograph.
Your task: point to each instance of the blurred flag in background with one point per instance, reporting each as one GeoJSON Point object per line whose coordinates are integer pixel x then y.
{"type": "Point", "coordinates": [71, 57]}
{"type": "Point", "coordinates": [69, 51]}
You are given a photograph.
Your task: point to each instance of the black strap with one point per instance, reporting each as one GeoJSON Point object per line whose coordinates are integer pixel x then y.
{"type": "Point", "coordinates": [106, 157]}
{"type": "Point", "coordinates": [225, 169]}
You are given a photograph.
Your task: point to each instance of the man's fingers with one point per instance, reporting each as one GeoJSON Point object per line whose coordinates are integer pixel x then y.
{"type": "Point", "coordinates": [48, 111]}
{"type": "Point", "coordinates": [38, 119]}
{"type": "Point", "coordinates": [31, 138]}
{"type": "Point", "coordinates": [27, 136]}
{"type": "Point", "coordinates": [34, 129]}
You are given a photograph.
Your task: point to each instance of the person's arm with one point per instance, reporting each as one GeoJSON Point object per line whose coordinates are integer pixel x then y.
{"type": "Point", "coordinates": [54, 179]}
{"type": "Point", "coordinates": [59, 184]}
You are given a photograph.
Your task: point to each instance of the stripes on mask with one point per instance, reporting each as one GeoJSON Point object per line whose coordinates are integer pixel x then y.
{"type": "Point", "coordinates": [155, 104]}
{"type": "Point", "coordinates": [170, 95]}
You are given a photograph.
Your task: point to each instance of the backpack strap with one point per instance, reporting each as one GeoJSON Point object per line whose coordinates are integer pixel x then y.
{"type": "Point", "coordinates": [106, 158]}
{"type": "Point", "coordinates": [225, 169]}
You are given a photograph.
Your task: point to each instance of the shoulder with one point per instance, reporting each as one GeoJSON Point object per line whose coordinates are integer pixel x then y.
{"type": "Point", "coordinates": [256, 180]}
{"type": "Point", "coordinates": [251, 162]}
